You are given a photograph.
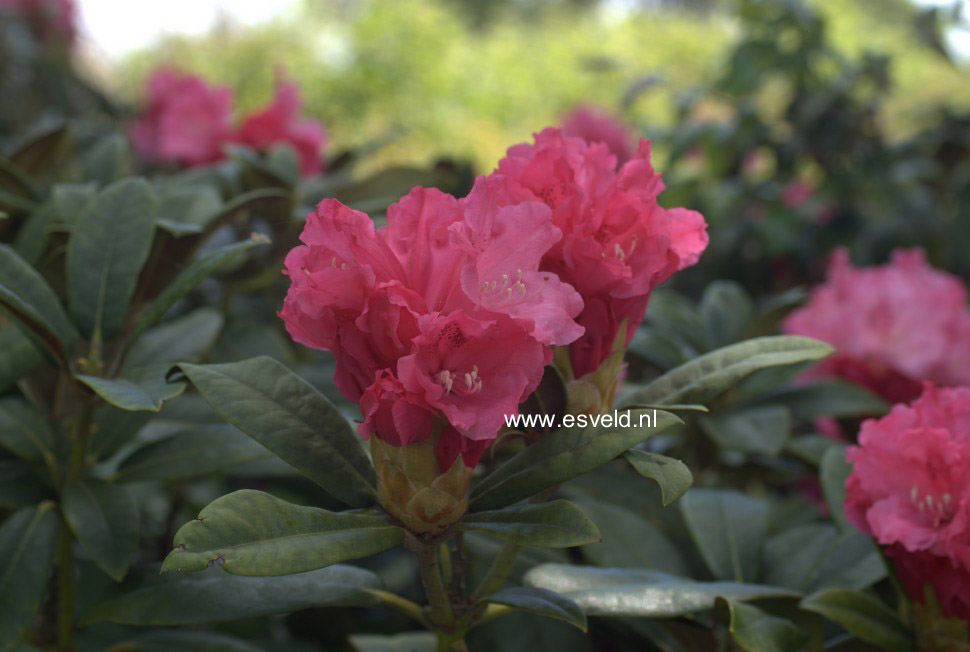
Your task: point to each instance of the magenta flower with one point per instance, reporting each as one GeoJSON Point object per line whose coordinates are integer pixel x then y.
{"type": "Point", "coordinates": [596, 126]}
{"type": "Point", "coordinates": [618, 243]}
{"type": "Point", "coordinates": [910, 482]}
{"type": "Point", "coordinates": [185, 121]}
{"type": "Point", "coordinates": [280, 122]}
{"type": "Point", "coordinates": [893, 325]}
{"type": "Point", "coordinates": [415, 312]}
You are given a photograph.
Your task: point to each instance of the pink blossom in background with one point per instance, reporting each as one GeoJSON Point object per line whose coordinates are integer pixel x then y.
{"type": "Point", "coordinates": [618, 243]}
{"type": "Point", "coordinates": [185, 120]}
{"type": "Point", "coordinates": [438, 321]}
{"type": "Point", "coordinates": [893, 325]}
{"type": "Point", "coordinates": [54, 19]}
{"type": "Point", "coordinates": [596, 126]}
{"type": "Point", "coordinates": [910, 487]}
{"type": "Point", "coordinates": [796, 193]}
{"type": "Point", "coordinates": [280, 122]}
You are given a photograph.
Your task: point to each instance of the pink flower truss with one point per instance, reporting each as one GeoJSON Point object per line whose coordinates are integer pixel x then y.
{"type": "Point", "coordinates": [910, 489]}
{"type": "Point", "coordinates": [893, 325]}
{"type": "Point", "coordinates": [441, 319]}
{"type": "Point", "coordinates": [618, 243]}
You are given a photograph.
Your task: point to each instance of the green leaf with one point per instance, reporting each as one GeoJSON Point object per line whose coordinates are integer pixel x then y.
{"type": "Point", "coordinates": [703, 378]}
{"type": "Point", "coordinates": [183, 210]}
{"type": "Point", "coordinates": [25, 432]}
{"type": "Point", "coordinates": [113, 428]}
{"type": "Point", "coordinates": [755, 631]}
{"type": "Point", "coordinates": [288, 416]}
{"type": "Point", "coordinates": [726, 310]}
{"type": "Point", "coordinates": [26, 554]}
{"type": "Point", "coordinates": [863, 615]}
{"type": "Point", "coordinates": [104, 518]}
{"type": "Point", "coordinates": [180, 339]}
{"type": "Point", "coordinates": [404, 642]}
{"type": "Point", "coordinates": [109, 245]}
{"type": "Point", "coordinates": [216, 596]}
{"type": "Point", "coordinates": [541, 602]}
{"type": "Point", "coordinates": [194, 453]}
{"type": "Point", "coordinates": [549, 398]}
{"type": "Point", "coordinates": [557, 524]}
{"type": "Point", "coordinates": [27, 296]}
{"type": "Point", "coordinates": [816, 555]}
{"type": "Point", "coordinates": [629, 540]}
{"type": "Point", "coordinates": [19, 485]}
{"type": "Point", "coordinates": [629, 592]}
{"type": "Point", "coordinates": [142, 388]}
{"type": "Point", "coordinates": [728, 528]}
{"type": "Point", "coordinates": [673, 476]}
{"type": "Point", "coordinates": [42, 151]}
{"type": "Point", "coordinates": [831, 398]}
{"type": "Point", "coordinates": [107, 160]}
{"type": "Point", "coordinates": [18, 356]}
{"type": "Point", "coordinates": [166, 640]}
{"type": "Point", "coordinates": [71, 200]}
{"type": "Point", "coordinates": [564, 454]}
{"type": "Point", "coordinates": [188, 279]}
{"type": "Point", "coordinates": [252, 533]}
{"type": "Point", "coordinates": [764, 430]}
{"type": "Point", "coordinates": [33, 237]}
{"type": "Point", "coordinates": [833, 471]}
{"type": "Point", "coordinates": [810, 447]}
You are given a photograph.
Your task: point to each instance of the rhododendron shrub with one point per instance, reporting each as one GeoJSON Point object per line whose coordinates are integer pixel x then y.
{"type": "Point", "coordinates": [910, 490]}
{"type": "Point", "coordinates": [618, 243]}
{"type": "Point", "coordinates": [893, 325]}
{"type": "Point", "coordinates": [188, 122]}
{"type": "Point", "coordinates": [440, 322]}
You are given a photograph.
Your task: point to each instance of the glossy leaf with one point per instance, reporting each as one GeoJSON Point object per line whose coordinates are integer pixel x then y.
{"type": "Point", "coordinates": [26, 554]}
{"type": "Point", "coordinates": [564, 454]}
{"type": "Point", "coordinates": [673, 476]}
{"type": "Point", "coordinates": [197, 452]}
{"type": "Point", "coordinates": [183, 210]}
{"type": "Point", "coordinates": [114, 427]}
{"type": "Point", "coordinates": [816, 555]}
{"type": "Point", "coordinates": [726, 311]}
{"type": "Point", "coordinates": [20, 486]}
{"type": "Point", "coordinates": [26, 294]}
{"type": "Point", "coordinates": [704, 378]}
{"type": "Point", "coordinates": [863, 615]}
{"type": "Point", "coordinates": [18, 356]}
{"type": "Point", "coordinates": [830, 398]}
{"type": "Point", "coordinates": [104, 517]}
{"type": "Point", "coordinates": [25, 432]}
{"type": "Point", "coordinates": [556, 524]}
{"type": "Point", "coordinates": [541, 602]}
{"type": "Point", "coordinates": [833, 471]}
{"type": "Point", "coordinates": [756, 631]}
{"type": "Point", "coordinates": [177, 340]}
{"type": "Point", "coordinates": [142, 388]}
{"type": "Point", "coordinates": [763, 430]}
{"type": "Point", "coordinates": [628, 592]}
{"type": "Point", "coordinates": [288, 416]}
{"type": "Point", "coordinates": [109, 245]}
{"type": "Point", "coordinates": [215, 596]}
{"type": "Point", "coordinates": [728, 528]}
{"type": "Point", "coordinates": [252, 533]}
{"type": "Point", "coordinates": [168, 640]}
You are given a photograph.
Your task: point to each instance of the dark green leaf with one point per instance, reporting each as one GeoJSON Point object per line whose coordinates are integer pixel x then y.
{"type": "Point", "coordinates": [811, 447]}
{"type": "Point", "coordinates": [252, 533]}
{"type": "Point", "coordinates": [113, 428]}
{"type": "Point", "coordinates": [285, 414]}
{"type": "Point", "coordinates": [726, 310]}
{"type": "Point", "coordinates": [564, 454]}
{"type": "Point", "coordinates": [34, 235]}
{"type": "Point", "coordinates": [109, 245]}
{"type": "Point", "coordinates": [26, 555]}
{"type": "Point", "coordinates": [405, 642]}
{"type": "Point", "coordinates": [168, 640]}
{"type": "Point", "coordinates": [763, 430]}
{"type": "Point", "coordinates": [831, 398]}
{"type": "Point", "coordinates": [549, 398]}
{"type": "Point", "coordinates": [541, 602]}
{"type": "Point", "coordinates": [215, 596]}
{"type": "Point", "coordinates": [816, 555]}
{"type": "Point", "coordinates": [629, 592]}
{"type": "Point", "coordinates": [188, 279]}
{"type": "Point", "coordinates": [20, 486]}
{"type": "Point", "coordinates": [27, 296]}
{"type": "Point", "coordinates": [177, 340]}
{"type": "Point", "coordinates": [197, 452]}
{"type": "Point", "coordinates": [24, 431]}
{"type": "Point", "coordinates": [728, 528]}
{"type": "Point", "coordinates": [183, 210]}
{"type": "Point", "coordinates": [107, 160]}
{"type": "Point", "coordinates": [705, 377]}
{"type": "Point", "coordinates": [755, 631]}
{"type": "Point", "coordinates": [105, 520]}
{"type": "Point", "coordinates": [18, 356]}
{"type": "Point", "coordinates": [672, 475]}
{"type": "Point", "coordinates": [71, 200]}
{"type": "Point", "coordinates": [142, 388]}
{"type": "Point", "coordinates": [557, 524]}
{"type": "Point", "coordinates": [863, 615]}
{"type": "Point", "coordinates": [833, 472]}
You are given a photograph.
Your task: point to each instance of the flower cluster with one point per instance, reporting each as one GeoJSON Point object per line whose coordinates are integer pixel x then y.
{"type": "Point", "coordinates": [187, 121]}
{"type": "Point", "coordinates": [618, 243]}
{"type": "Point", "coordinates": [893, 326]}
{"type": "Point", "coordinates": [910, 489]}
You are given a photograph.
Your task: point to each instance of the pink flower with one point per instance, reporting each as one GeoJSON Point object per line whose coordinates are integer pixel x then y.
{"type": "Point", "coordinates": [910, 481]}
{"type": "Point", "coordinates": [796, 193]}
{"type": "Point", "coordinates": [185, 121]}
{"type": "Point", "coordinates": [618, 243]}
{"type": "Point", "coordinates": [439, 321]}
{"type": "Point", "coordinates": [950, 582]}
{"type": "Point", "coordinates": [596, 126]}
{"type": "Point", "coordinates": [280, 122]}
{"type": "Point", "coordinates": [894, 325]}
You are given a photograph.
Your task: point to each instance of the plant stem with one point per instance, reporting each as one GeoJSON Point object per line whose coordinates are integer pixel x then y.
{"type": "Point", "coordinates": [403, 605]}
{"type": "Point", "coordinates": [65, 588]}
{"type": "Point", "coordinates": [439, 605]}
{"type": "Point", "coordinates": [498, 573]}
